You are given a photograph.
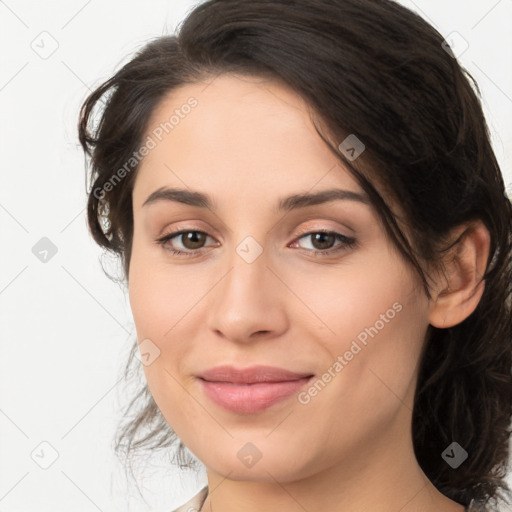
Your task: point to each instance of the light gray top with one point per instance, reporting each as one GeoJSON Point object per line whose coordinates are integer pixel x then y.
{"type": "Point", "coordinates": [195, 504]}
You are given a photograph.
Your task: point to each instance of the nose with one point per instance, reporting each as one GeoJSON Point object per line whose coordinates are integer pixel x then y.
{"type": "Point", "coordinates": [248, 302]}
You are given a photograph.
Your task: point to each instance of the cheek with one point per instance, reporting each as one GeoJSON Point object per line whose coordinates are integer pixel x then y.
{"type": "Point", "coordinates": [159, 293]}
{"type": "Point", "coordinates": [165, 301]}
{"type": "Point", "coordinates": [157, 309]}
{"type": "Point", "coordinates": [148, 302]}
{"type": "Point", "coordinates": [345, 301]}
{"type": "Point", "coordinates": [371, 320]}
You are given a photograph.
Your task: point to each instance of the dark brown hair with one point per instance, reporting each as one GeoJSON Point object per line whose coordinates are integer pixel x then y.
{"type": "Point", "coordinates": [375, 69]}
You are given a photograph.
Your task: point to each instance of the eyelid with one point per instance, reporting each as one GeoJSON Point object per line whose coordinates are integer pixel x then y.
{"type": "Point", "coordinates": [186, 227]}
{"type": "Point", "coordinates": [323, 228]}
{"type": "Point", "coordinates": [303, 231]}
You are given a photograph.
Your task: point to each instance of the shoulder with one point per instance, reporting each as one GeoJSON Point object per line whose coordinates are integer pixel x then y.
{"type": "Point", "coordinates": [194, 504]}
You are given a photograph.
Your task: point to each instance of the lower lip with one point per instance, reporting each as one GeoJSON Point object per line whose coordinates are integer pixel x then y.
{"type": "Point", "coordinates": [251, 398]}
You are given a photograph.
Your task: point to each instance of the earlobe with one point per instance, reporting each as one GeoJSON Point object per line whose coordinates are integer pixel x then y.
{"type": "Point", "coordinates": [460, 288]}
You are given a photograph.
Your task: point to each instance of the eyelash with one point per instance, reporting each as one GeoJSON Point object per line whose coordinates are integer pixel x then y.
{"type": "Point", "coordinates": [347, 242]}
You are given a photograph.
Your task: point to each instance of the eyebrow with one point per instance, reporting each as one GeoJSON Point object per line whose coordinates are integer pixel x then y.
{"type": "Point", "coordinates": [289, 203]}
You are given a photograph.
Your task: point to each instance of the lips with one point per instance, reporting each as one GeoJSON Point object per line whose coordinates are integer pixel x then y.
{"type": "Point", "coordinates": [251, 375]}
{"type": "Point", "coordinates": [250, 390]}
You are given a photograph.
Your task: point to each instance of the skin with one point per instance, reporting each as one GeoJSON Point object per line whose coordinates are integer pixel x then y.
{"type": "Point", "coordinates": [247, 144]}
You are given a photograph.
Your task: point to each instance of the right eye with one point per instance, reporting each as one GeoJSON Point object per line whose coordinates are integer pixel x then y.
{"type": "Point", "coordinates": [194, 240]}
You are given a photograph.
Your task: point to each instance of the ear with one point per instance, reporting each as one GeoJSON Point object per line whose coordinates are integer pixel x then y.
{"type": "Point", "coordinates": [459, 288]}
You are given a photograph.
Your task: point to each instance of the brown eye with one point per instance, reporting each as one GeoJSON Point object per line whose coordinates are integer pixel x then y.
{"type": "Point", "coordinates": [191, 242]}
{"type": "Point", "coordinates": [193, 239]}
{"type": "Point", "coordinates": [323, 241]}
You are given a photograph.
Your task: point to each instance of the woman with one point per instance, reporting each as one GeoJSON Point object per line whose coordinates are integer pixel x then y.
{"type": "Point", "coordinates": [316, 238]}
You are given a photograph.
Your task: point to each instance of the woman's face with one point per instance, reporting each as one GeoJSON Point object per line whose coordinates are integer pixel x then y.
{"type": "Point", "coordinates": [251, 291]}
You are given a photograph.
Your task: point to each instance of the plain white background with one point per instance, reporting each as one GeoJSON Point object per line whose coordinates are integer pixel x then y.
{"type": "Point", "coordinates": [65, 328]}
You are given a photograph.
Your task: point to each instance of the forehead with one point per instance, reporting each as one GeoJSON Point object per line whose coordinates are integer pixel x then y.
{"type": "Point", "coordinates": [243, 134]}
{"type": "Point", "coordinates": [235, 96]}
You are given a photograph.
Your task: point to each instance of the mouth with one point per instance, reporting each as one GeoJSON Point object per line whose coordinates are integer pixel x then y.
{"type": "Point", "coordinates": [251, 390]}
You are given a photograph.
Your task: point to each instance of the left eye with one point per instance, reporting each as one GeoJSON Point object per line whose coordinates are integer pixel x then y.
{"type": "Point", "coordinates": [193, 240]}
{"type": "Point", "coordinates": [322, 241]}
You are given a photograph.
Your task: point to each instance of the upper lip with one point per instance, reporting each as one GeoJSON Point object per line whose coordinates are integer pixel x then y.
{"type": "Point", "coordinates": [250, 375]}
